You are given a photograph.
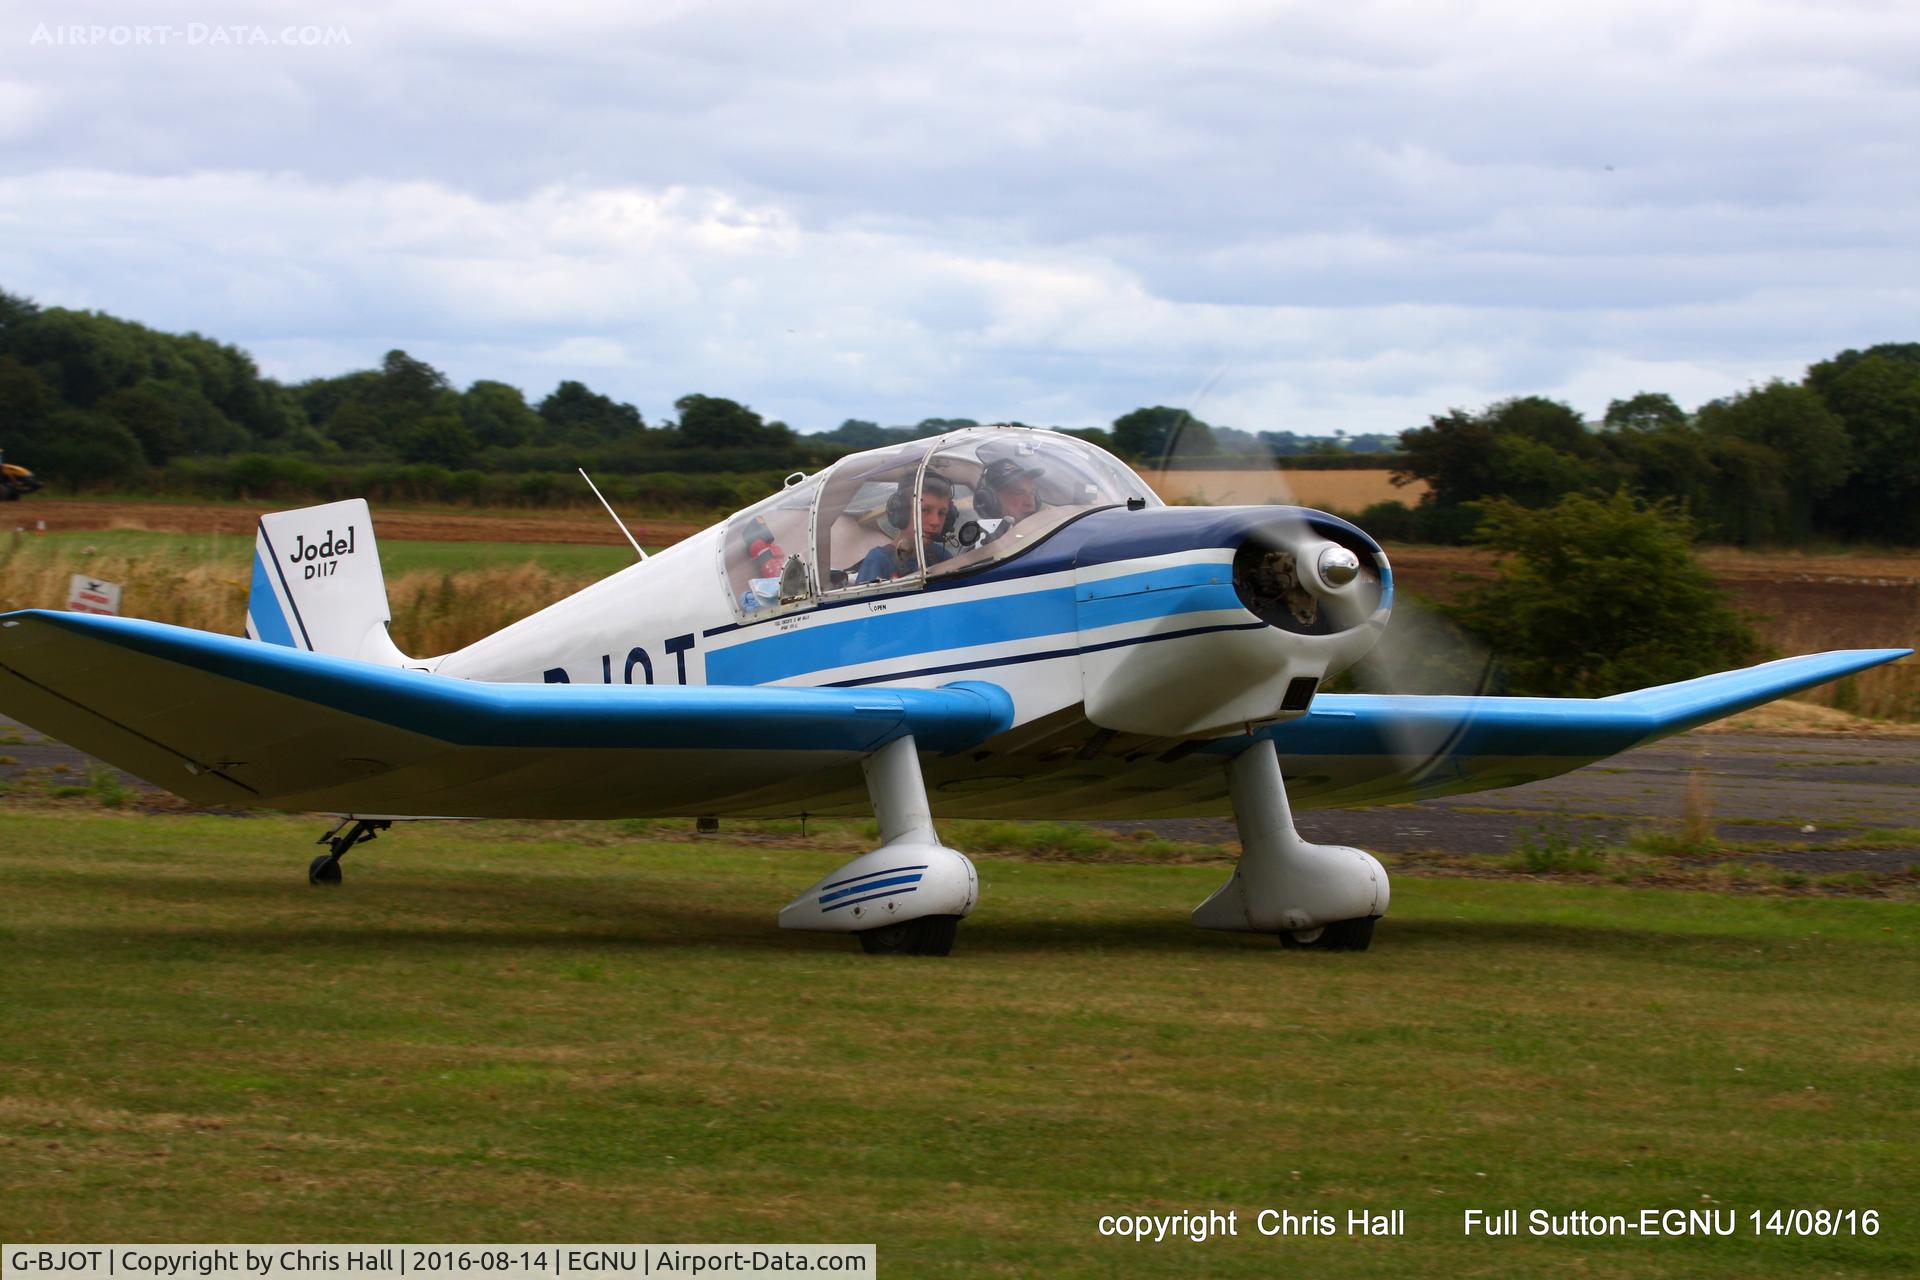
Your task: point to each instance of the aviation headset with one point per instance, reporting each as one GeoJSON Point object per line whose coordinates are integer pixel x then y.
{"type": "Point", "coordinates": [900, 503]}
{"type": "Point", "coordinates": [999, 473]}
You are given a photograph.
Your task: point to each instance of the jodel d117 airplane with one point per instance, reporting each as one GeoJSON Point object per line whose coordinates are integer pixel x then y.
{"type": "Point", "coordinates": [1000, 622]}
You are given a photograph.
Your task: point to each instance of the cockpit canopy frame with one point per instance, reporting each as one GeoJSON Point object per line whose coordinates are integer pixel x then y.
{"type": "Point", "coordinates": [890, 519]}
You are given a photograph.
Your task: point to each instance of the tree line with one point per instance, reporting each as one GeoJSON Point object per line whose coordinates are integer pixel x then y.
{"type": "Point", "coordinates": [1835, 455]}
{"type": "Point", "coordinates": [96, 401]}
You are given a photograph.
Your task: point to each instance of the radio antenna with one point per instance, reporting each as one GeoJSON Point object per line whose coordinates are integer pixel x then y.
{"type": "Point", "coordinates": [609, 506]}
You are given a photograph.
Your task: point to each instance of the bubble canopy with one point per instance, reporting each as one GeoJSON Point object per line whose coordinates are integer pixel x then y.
{"type": "Point", "coordinates": [895, 517]}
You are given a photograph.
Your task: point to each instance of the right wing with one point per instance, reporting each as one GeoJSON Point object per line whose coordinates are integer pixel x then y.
{"type": "Point", "coordinates": [220, 720]}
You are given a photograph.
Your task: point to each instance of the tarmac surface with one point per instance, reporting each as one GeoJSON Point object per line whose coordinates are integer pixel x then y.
{"type": "Point", "coordinates": [1788, 800]}
{"type": "Point", "coordinates": [1803, 801]}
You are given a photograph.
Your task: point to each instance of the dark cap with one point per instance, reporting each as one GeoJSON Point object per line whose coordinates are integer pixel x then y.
{"type": "Point", "coordinates": [1004, 471]}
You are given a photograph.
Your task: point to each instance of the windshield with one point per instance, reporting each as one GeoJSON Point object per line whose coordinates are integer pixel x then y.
{"type": "Point", "coordinates": [950, 503]}
{"type": "Point", "coordinates": [864, 532]}
{"type": "Point", "coordinates": [763, 552]}
{"type": "Point", "coordinates": [1011, 488]}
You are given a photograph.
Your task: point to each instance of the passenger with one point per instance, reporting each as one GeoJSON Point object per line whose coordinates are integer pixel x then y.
{"type": "Point", "coordinates": [767, 562]}
{"type": "Point", "coordinates": [882, 564]}
{"type": "Point", "coordinates": [1011, 491]}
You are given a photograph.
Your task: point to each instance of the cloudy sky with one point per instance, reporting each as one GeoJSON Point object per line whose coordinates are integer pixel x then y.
{"type": "Point", "coordinates": [1305, 217]}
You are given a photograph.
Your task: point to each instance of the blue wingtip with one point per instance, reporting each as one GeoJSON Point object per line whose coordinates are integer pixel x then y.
{"type": "Point", "coordinates": [1690, 703]}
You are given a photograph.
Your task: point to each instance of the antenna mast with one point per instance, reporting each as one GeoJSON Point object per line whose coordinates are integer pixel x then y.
{"type": "Point", "coordinates": [609, 506]}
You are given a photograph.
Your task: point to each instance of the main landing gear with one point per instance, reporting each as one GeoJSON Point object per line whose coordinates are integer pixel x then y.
{"type": "Point", "coordinates": [1322, 897]}
{"type": "Point", "coordinates": [927, 936]}
{"type": "Point", "coordinates": [907, 897]}
{"type": "Point", "coordinates": [325, 869]}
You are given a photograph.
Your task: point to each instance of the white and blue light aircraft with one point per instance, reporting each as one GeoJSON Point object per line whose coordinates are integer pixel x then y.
{"type": "Point", "coordinates": [1000, 622]}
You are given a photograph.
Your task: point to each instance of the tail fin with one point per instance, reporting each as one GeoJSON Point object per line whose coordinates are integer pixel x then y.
{"type": "Point", "coordinates": [317, 584]}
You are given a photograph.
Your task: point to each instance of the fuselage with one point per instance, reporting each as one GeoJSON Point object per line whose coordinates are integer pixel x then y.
{"type": "Point", "coordinates": [1103, 613]}
{"type": "Point", "coordinates": [1039, 624]}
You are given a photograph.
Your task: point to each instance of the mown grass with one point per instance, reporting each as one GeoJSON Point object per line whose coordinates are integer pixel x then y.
{"type": "Point", "coordinates": [499, 1032]}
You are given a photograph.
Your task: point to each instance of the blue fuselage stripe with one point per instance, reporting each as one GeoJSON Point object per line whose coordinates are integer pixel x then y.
{"type": "Point", "coordinates": [1041, 655]}
{"type": "Point", "coordinates": [908, 633]}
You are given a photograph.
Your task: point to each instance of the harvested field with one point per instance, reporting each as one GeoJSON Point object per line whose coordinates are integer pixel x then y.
{"type": "Point", "coordinates": [1328, 490]}
{"type": "Point", "coordinates": [1800, 603]}
{"type": "Point", "coordinates": [443, 524]}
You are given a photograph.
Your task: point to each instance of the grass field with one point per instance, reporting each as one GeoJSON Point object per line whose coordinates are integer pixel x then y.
{"type": "Point", "coordinates": [595, 1033]}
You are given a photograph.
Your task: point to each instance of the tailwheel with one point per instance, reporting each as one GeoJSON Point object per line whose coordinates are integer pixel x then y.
{"type": "Point", "coordinates": [1341, 935]}
{"type": "Point", "coordinates": [325, 869]}
{"type": "Point", "coordinates": [927, 936]}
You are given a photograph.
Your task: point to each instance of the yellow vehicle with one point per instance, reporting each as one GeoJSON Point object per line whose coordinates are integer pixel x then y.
{"type": "Point", "coordinates": [15, 482]}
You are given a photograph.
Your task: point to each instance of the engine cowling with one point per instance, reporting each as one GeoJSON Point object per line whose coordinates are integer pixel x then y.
{"type": "Point", "coordinates": [1239, 630]}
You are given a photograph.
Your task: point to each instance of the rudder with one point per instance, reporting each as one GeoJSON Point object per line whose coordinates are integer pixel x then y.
{"type": "Point", "coordinates": [317, 584]}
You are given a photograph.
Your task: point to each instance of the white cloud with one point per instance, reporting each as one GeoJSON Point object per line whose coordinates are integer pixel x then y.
{"type": "Point", "coordinates": [1338, 217]}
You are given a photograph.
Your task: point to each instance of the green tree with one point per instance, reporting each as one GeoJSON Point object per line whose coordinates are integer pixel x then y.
{"type": "Point", "coordinates": [579, 415]}
{"type": "Point", "coordinates": [152, 416]}
{"type": "Point", "coordinates": [25, 397]}
{"type": "Point", "coordinates": [79, 447]}
{"type": "Point", "coordinates": [858, 433]}
{"type": "Point", "coordinates": [497, 415]}
{"type": "Point", "coordinates": [173, 418]}
{"type": "Point", "coordinates": [1596, 596]}
{"type": "Point", "coordinates": [84, 356]}
{"type": "Point", "coordinates": [373, 410]}
{"type": "Point", "coordinates": [1153, 435]}
{"type": "Point", "coordinates": [14, 312]}
{"type": "Point", "coordinates": [1531, 450]}
{"type": "Point", "coordinates": [712, 422]}
{"type": "Point", "coordinates": [441, 439]}
{"type": "Point", "coordinates": [1809, 440]}
{"type": "Point", "coordinates": [1099, 436]}
{"type": "Point", "coordinates": [409, 382]}
{"type": "Point", "coordinates": [1876, 395]}
{"type": "Point", "coordinates": [1647, 411]}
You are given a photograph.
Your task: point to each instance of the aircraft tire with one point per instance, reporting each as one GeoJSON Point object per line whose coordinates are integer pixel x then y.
{"type": "Point", "coordinates": [927, 936]}
{"type": "Point", "coordinates": [1341, 935]}
{"type": "Point", "coordinates": [324, 869]}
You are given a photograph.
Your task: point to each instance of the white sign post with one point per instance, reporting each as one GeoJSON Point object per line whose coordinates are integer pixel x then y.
{"type": "Point", "coordinates": [90, 595]}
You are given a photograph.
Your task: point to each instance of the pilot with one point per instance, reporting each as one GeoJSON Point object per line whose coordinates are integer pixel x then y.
{"type": "Point", "coordinates": [936, 513]}
{"type": "Point", "coordinates": [1010, 492]}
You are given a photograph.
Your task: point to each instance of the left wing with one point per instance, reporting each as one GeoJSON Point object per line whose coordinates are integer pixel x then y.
{"type": "Point", "coordinates": [221, 720]}
{"type": "Point", "coordinates": [1350, 749]}
{"type": "Point", "coordinates": [1424, 746]}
